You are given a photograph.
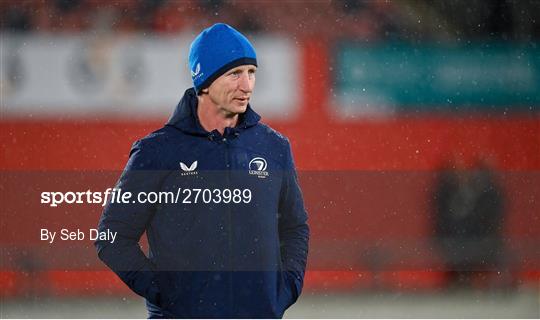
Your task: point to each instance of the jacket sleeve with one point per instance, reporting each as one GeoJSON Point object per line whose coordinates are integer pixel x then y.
{"type": "Point", "coordinates": [293, 227]}
{"type": "Point", "coordinates": [124, 256]}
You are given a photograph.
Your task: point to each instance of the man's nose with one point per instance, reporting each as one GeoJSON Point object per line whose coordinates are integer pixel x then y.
{"type": "Point", "coordinates": [244, 83]}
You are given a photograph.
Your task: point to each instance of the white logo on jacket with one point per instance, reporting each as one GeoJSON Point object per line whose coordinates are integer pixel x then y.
{"type": "Point", "coordinates": [257, 166]}
{"type": "Point", "coordinates": [188, 170]}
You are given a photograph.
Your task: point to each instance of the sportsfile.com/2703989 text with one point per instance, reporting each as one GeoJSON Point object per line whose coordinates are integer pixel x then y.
{"type": "Point", "coordinates": [116, 195]}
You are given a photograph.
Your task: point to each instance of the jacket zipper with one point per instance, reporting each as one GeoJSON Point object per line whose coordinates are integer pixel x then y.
{"type": "Point", "coordinates": [229, 222]}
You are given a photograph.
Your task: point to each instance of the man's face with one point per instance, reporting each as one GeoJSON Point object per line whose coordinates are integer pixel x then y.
{"type": "Point", "coordinates": [232, 90]}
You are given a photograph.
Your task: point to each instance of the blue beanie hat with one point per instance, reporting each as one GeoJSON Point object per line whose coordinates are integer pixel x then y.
{"type": "Point", "coordinates": [215, 51]}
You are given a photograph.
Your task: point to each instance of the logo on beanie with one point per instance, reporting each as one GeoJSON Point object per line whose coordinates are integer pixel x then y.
{"type": "Point", "coordinates": [197, 73]}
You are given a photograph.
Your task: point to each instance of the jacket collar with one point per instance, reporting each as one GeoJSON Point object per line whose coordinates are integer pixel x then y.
{"type": "Point", "coordinates": [185, 116]}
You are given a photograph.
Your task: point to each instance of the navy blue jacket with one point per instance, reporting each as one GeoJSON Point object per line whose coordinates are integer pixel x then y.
{"type": "Point", "coordinates": [209, 258]}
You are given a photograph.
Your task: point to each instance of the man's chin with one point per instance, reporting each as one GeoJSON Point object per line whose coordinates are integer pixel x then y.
{"type": "Point", "coordinates": [240, 108]}
{"type": "Point", "coordinates": [236, 109]}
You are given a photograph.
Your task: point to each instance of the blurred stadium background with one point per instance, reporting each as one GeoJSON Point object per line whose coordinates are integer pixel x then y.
{"type": "Point", "coordinates": [392, 108]}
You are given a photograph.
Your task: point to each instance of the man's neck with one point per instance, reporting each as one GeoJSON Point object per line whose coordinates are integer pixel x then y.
{"type": "Point", "coordinates": [212, 117]}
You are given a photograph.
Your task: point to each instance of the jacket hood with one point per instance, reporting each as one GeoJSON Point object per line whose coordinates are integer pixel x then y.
{"type": "Point", "coordinates": [185, 116]}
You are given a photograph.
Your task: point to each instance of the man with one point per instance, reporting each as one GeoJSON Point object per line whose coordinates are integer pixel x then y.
{"type": "Point", "coordinates": [234, 242]}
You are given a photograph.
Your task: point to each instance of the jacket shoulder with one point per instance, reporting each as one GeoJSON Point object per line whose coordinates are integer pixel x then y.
{"type": "Point", "coordinates": [274, 144]}
{"type": "Point", "coordinates": [156, 139]}
{"type": "Point", "coordinates": [150, 151]}
{"type": "Point", "coordinates": [273, 135]}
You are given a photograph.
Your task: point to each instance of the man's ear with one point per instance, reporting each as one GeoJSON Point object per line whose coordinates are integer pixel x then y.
{"type": "Point", "coordinates": [205, 90]}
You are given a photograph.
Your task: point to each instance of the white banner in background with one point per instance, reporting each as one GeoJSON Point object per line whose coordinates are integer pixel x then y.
{"type": "Point", "coordinates": [111, 75]}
